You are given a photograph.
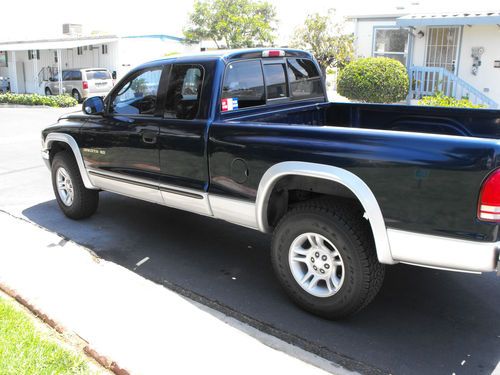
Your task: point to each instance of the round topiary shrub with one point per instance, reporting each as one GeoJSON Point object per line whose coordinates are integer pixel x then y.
{"type": "Point", "coordinates": [374, 79]}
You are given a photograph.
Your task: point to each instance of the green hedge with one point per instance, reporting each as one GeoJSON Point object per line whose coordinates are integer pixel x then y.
{"type": "Point", "coordinates": [441, 100]}
{"type": "Point", "coordinates": [374, 80]}
{"type": "Point", "coordinates": [35, 99]}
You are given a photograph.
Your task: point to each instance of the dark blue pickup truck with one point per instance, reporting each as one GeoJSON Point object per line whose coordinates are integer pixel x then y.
{"type": "Point", "coordinates": [248, 137]}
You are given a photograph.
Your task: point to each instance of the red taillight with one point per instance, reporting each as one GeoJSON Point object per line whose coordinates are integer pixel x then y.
{"type": "Point", "coordinates": [489, 200]}
{"type": "Point", "coordinates": [273, 53]}
{"type": "Point", "coordinates": [85, 85]}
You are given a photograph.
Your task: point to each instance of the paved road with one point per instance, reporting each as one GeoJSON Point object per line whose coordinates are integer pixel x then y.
{"type": "Point", "coordinates": [423, 322]}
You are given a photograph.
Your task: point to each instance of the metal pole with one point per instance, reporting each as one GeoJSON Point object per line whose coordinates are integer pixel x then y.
{"type": "Point", "coordinates": [35, 74]}
{"type": "Point", "coordinates": [59, 70]}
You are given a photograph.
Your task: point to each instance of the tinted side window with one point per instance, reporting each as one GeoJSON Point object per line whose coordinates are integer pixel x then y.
{"type": "Point", "coordinates": [66, 75]}
{"type": "Point", "coordinates": [184, 91]}
{"type": "Point", "coordinates": [77, 75]}
{"type": "Point", "coordinates": [275, 81]}
{"type": "Point", "coordinates": [138, 94]}
{"type": "Point", "coordinates": [305, 80]}
{"type": "Point", "coordinates": [244, 84]}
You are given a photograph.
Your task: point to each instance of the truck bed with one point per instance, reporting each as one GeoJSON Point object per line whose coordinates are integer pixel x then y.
{"type": "Point", "coordinates": [449, 121]}
{"type": "Point", "coordinates": [425, 166]}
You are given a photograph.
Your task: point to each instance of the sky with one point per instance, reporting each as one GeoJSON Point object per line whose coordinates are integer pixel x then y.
{"type": "Point", "coordinates": [41, 19]}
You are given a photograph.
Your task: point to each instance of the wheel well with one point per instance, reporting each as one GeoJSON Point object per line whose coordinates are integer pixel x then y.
{"type": "Point", "coordinates": [293, 189]}
{"type": "Point", "coordinates": [56, 147]}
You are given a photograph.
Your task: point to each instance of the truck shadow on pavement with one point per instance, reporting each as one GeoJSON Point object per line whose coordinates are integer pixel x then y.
{"type": "Point", "coordinates": [423, 321]}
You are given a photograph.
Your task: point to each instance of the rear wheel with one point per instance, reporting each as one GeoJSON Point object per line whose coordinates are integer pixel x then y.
{"type": "Point", "coordinates": [76, 95]}
{"type": "Point", "coordinates": [47, 91]}
{"type": "Point", "coordinates": [74, 199]}
{"type": "Point", "coordinates": [324, 257]}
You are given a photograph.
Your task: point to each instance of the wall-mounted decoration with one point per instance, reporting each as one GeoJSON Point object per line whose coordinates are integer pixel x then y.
{"type": "Point", "coordinates": [476, 54]}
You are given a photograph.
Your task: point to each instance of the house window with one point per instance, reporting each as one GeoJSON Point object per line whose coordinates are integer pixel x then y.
{"type": "Point", "coordinates": [391, 42]}
{"type": "Point", "coordinates": [104, 49]}
{"type": "Point", "coordinates": [3, 59]}
{"type": "Point", "coordinates": [33, 54]}
{"type": "Point", "coordinates": [79, 50]}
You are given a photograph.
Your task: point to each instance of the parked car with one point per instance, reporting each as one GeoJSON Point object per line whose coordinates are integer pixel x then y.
{"type": "Point", "coordinates": [248, 137]}
{"type": "Point", "coordinates": [81, 83]}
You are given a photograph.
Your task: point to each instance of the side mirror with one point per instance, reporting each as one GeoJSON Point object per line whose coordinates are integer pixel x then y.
{"type": "Point", "coordinates": [93, 106]}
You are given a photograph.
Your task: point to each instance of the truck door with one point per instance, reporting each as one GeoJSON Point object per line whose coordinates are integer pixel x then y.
{"type": "Point", "coordinates": [120, 148]}
{"type": "Point", "coordinates": [182, 138]}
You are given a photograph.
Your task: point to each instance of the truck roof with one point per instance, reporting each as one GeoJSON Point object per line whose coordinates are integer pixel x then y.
{"type": "Point", "coordinates": [228, 55]}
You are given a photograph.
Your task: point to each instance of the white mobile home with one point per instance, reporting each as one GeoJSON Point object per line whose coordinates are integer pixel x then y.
{"type": "Point", "coordinates": [29, 64]}
{"type": "Point", "coordinates": [455, 53]}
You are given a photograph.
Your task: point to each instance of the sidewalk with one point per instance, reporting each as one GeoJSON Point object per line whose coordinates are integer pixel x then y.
{"type": "Point", "coordinates": [143, 327]}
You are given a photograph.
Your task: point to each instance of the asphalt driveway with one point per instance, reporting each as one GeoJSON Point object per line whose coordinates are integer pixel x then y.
{"type": "Point", "coordinates": [424, 321]}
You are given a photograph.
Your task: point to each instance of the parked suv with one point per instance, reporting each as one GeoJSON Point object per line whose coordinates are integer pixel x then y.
{"type": "Point", "coordinates": [82, 83]}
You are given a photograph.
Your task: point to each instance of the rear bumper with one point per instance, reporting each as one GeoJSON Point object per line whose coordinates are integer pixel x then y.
{"type": "Point", "coordinates": [444, 252]}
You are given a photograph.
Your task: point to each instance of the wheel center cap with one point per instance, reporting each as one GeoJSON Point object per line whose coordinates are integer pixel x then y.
{"type": "Point", "coordinates": [320, 261]}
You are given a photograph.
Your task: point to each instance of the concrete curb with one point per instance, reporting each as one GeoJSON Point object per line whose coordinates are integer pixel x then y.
{"type": "Point", "coordinates": [104, 361]}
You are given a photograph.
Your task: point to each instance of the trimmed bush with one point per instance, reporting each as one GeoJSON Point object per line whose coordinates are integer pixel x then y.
{"type": "Point", "coordinates": [35, 99]}
{"type": "Point", "coordinates": [441, 100]}
{"type": "Point", "coordinates": [375, 80]}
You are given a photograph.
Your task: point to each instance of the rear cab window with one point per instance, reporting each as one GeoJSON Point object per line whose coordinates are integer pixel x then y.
{"type": "Point", "coordinates": [243, 85]}
{"type": "Point", "coordinates": [250, 83]}
{"type": "Point", "coordinates": [305, 80]}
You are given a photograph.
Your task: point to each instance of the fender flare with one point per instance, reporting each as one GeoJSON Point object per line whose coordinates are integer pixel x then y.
{"type": "Point", "coordinates": [70, 141]}
{"type": "Point", "coordinates": [327, 172]}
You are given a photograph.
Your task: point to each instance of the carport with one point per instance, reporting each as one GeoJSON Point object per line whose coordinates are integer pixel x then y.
{"type": "Point", "coordinates": [32, 50]}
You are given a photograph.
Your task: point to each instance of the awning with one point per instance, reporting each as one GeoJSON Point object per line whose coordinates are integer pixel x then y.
{"type": "Point", "coordinates": [449, 19]}
{"type": "Point", "coordinates": [61, 43]}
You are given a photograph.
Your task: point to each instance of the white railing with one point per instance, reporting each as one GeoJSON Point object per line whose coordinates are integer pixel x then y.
{"type": "Point", "coordinates": [425, 81]}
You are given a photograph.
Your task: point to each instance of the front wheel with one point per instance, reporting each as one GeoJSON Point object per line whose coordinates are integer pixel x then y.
{"type": "Point", "coordinates": [74, 199]}
{"type": "Point", "coordinates": [325, 259]}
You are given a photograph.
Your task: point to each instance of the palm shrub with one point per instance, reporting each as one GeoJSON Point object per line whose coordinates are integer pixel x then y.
{"type": "Point", "coordinates": [374, 79]}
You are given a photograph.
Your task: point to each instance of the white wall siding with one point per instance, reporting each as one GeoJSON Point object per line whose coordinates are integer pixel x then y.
{"type": "Point", "coordinates": [487, 79]}
{"type": "Point", "coordinates": [364, 37]}
{"type": "Point", "coordinates": [122, 55]}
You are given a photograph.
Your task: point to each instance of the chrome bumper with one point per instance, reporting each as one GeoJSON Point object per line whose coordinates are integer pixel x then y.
{"type": "Point", "coordinates": [443, 252]}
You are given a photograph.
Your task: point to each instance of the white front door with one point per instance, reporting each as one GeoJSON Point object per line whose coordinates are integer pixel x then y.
{"type": "Point", "coordinates": [443, 47]}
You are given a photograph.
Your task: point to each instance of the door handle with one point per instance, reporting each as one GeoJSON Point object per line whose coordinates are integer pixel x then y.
{"type": "Point", "coordinates": [149, 138]}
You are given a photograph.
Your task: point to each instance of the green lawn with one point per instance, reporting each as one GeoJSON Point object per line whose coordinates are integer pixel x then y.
{"type": "Point", "coordinates": [24, 349]}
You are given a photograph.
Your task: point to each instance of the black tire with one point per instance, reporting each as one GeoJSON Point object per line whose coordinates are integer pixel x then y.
{"type": "Point", "coordinates": [48, 92]}
{"type": "Point", "coordinates": [344, 227]}
{"type": "Point", "coordinates": [76, 95]}
{"type": "Point", "coordinates": [85, 201]}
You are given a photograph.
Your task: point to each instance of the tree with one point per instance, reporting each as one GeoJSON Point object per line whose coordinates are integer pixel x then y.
{"type": "Point", "coordinates": [234, 23]}
{"type": "Point", "coordinates": [374, 79]}
{"type": "Point", "coordinates": [325, 38]}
